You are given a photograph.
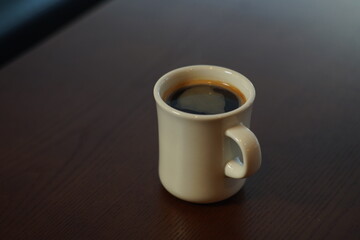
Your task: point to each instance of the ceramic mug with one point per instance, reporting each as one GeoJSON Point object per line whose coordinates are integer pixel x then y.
{"type": "Point", "coordinates": [205, 158]}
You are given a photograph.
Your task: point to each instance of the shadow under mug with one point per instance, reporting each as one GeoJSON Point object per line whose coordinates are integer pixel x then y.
{"type": "Point", "coordinates": [205, 158]}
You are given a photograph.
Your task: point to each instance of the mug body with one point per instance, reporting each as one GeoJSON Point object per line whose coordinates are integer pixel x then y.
{"type": "Point", "coordinates": [193, 149]}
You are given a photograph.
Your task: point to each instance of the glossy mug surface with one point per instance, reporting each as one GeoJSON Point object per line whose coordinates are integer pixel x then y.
{"type": "Point", "coordinates": [205, 158]}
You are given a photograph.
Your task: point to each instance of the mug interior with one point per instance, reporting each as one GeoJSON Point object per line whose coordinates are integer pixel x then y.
{"type": "Point", "coordinates": [179, 76]}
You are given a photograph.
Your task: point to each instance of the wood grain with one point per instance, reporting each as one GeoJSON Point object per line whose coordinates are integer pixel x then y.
{"type": "Point", "coordinates": [78, 134]}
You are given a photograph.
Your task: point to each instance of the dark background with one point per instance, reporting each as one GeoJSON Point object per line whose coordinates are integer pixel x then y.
{"type": "Point", "coordinates": [26, 23]}
{"type": "Point", "coordinates": [78, 133]}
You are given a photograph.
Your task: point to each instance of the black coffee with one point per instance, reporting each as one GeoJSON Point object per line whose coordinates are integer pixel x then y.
{"type": "Point", "coordinates": [204, 99]}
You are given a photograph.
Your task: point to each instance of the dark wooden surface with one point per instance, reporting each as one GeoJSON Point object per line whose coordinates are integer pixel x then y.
{"type": "Point", "coordinates": [78, 134]}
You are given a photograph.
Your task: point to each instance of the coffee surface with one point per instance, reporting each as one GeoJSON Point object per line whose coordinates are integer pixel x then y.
{"type": "Point", "coordinates": [204, 99]}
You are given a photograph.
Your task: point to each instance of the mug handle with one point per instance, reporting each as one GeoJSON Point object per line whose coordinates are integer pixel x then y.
{"type": "Point", "coordinates": [251, 153]}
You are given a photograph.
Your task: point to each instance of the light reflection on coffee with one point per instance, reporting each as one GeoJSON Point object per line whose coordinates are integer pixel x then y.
{"type": "Point", "coordinates": [205, 97]}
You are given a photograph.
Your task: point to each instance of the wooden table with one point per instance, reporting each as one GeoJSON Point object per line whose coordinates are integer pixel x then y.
{"type": "Point", "coordinates": [78, 129]}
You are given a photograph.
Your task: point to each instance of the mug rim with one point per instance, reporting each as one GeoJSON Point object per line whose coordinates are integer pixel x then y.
{"type": "Point", "coordinates": [160, 101]}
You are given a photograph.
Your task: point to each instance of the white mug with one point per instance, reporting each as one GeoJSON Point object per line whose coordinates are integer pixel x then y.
{"type": "Point", "coordinates": [205, 158]}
